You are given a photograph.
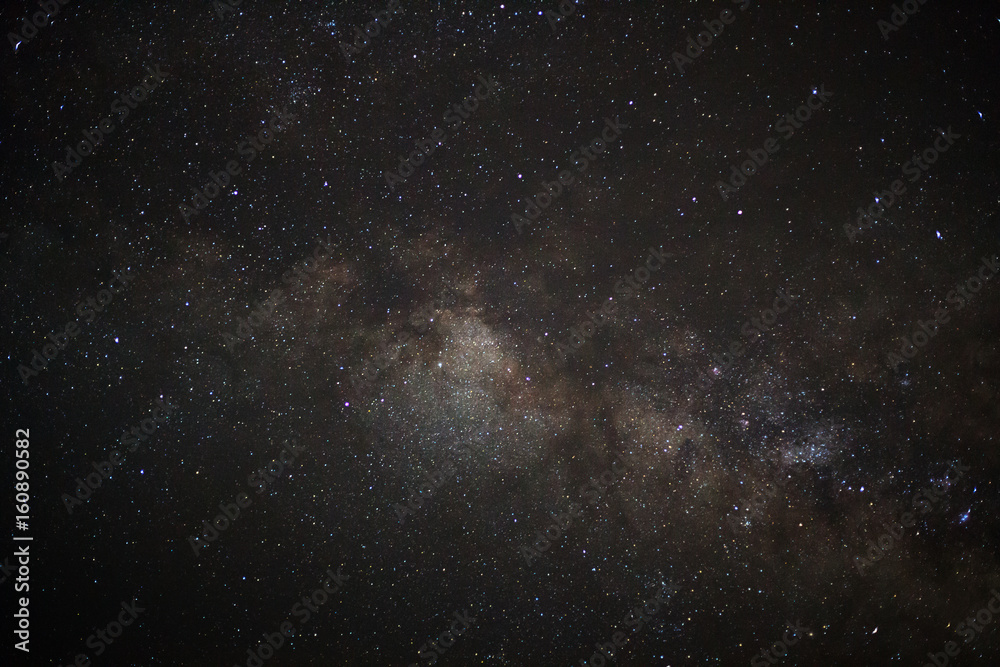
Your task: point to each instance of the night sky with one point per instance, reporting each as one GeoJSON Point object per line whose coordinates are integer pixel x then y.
{"type": "Point", "coordinates": [510, 331]}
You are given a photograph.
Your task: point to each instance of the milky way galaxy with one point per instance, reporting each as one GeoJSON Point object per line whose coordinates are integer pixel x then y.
{"type": "Point", "coordinates": [502, 333]}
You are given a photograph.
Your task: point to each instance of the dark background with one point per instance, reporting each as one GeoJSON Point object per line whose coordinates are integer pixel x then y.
{"type": "Point", "coordinates": [445, 238]}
